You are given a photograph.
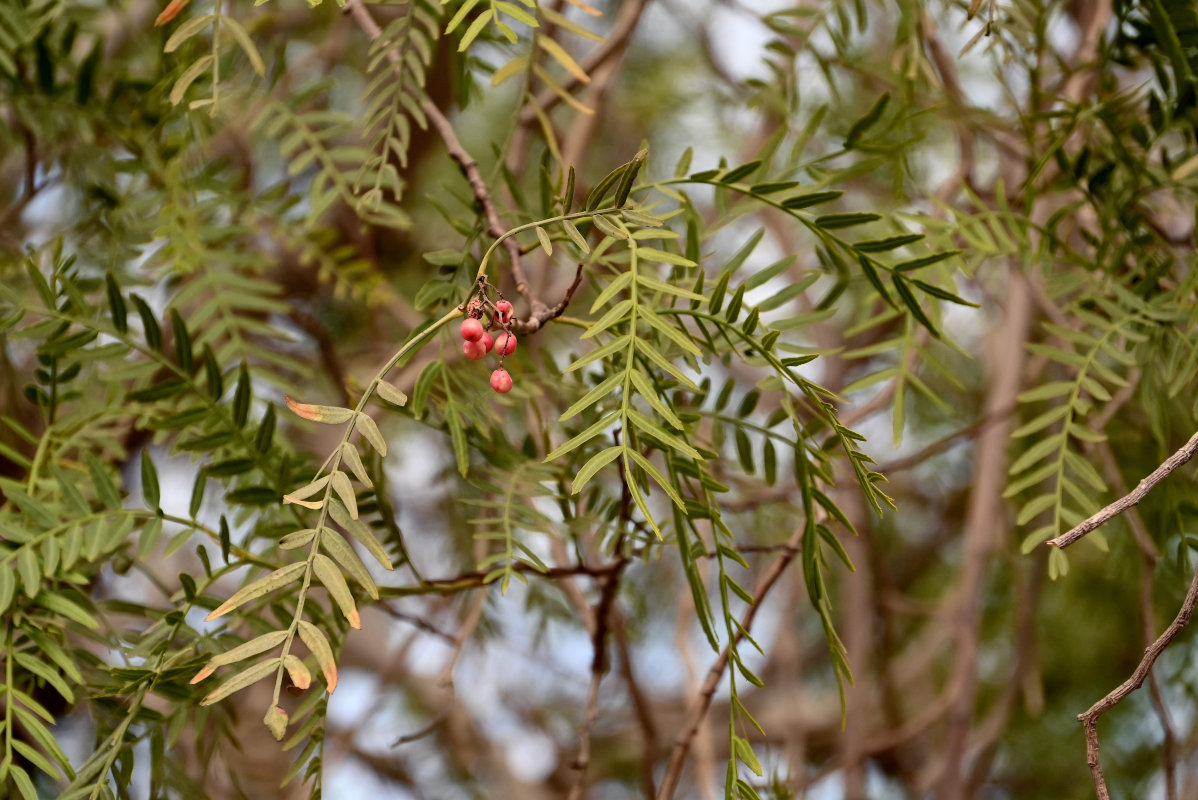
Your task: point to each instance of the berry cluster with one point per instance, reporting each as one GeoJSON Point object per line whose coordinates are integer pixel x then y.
{"type": "Point", "coordinates": [477, 342]}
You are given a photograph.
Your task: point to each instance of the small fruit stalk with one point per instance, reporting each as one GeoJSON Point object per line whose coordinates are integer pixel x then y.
{"type": "Point", "coordinates": [477, 340]}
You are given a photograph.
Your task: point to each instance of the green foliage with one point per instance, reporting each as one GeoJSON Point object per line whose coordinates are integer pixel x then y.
{"type": "Point", "coordinates": [217, 232]}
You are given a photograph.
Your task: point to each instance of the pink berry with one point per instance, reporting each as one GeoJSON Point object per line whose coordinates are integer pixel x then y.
{"type": "Point", "coordinates": [501, 381]}
{"type": "Point", "coordinates": [504, 309]}
{"type": "Point", "coordinates": [475, 351]}
{"type": "Point", "coordinates": [474, 308]}
{"type": "Point", "coordinates": [487, 342]}
{"type": "Point", "coordinates": [506, 344]}
{"type": "Point", "coordinates": [472, 330]}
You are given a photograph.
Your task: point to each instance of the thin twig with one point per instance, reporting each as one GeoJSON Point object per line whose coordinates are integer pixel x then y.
{"type": "Point", "coordinates": [945, 442]}
{"type": "Point", "coordinates": [1131, 498]}
{"type": "Point", "coordinates": [600, 663]}
{"type": "Point", "coordinates": [699, 707]}
{"type": "Point", "coordinates": [1089, 719]}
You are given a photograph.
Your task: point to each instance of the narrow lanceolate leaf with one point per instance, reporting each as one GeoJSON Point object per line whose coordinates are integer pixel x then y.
{"type": "Point", "coordinates": [360, 531]}
{"type": "Point", "coordinates": [329, 415]}
{"type": "Point", "coordinates": [311, 636]}
{"type": "Point", "coordinates": [334, 581]}
{"type": "Point", "coordinates": [345, 491]}
{"type": "Point", "coordinates": [60, 605]}
{"type": "Point", "coordinates": [593, 396]}
{"type": "Point", "coordinates": [188, 77]}
{"type": "Point", "coordinates": [584, 437]}
{"type": "Point", "coordinates": [264, 585]}
{"type": "Point", "coordinates": [299, 495]}
{"type": "Point", "coordinates": [267, 641]}
{"type": "Point", "coordinates": [8, 587]}
{"type": "Point", "coordinates": [340, 550]}
{"type": "Point", "coordinates": [349, 454]}
{"type": "Point", "coordinates": [297, 539]}
{"type": "Point", "coordinates": [370, 432]}
{"type": "Point", "coordinates": [575, 236]}
{"type": "Point", "coordinates": [149, 481]}
{"type": "Point", "coordinates": [596, 463]}
{"type": "Point", "coordinates": [247, 677]}
{"type": "Point", "coordinates": [657, 477]}
{"type": "Point", "coordinates": [388, 392]}
{"type": "Point", "coordinates": [664, 257]}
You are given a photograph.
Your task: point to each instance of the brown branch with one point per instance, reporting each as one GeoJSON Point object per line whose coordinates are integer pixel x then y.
{"type": "Point", "coordinates": [1089, 719]}
{"type": "Point", "coordinates": [600, 664]}
{"type": "Point", "coordinates": [537, 319]}
{"type": "Point", "coordinates": [946, 442]}
{"type": "Point", "coordinates": [640, 702]}
{"type": "Point", "coordinates": [465, 161]}
{"type": "Point", "coordinates": [698, 709]}
{"type": "Point", "coordinates": [1132, 498]}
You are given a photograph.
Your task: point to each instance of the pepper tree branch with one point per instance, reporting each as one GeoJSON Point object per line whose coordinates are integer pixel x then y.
{"type": "Point", "coordinates": [1171, 464]}
{"type": "Point", "coordinates": [698, 709]}
{"type": "Point", "coordinates": [538, 311]}
{"type": "Point", "coordinates": [1090, 718]}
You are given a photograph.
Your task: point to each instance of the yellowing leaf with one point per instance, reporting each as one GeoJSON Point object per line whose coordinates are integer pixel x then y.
{"type": "Point", "coordinates": [370, 432]}
{"type": "Point", "coordinates": [319, 645]}
{"type": "Point", "coordinates": [329, 415]}
{"type": "Point", "coordinates": [298, 496]}
{"type": "Point", "coordinates": [334, 581]}
{"type": "Point", "coordinates": [345, 491]}
{"type": "Point", "coordinates": [344, 554]}
{"type": "Point", "coordinates": [253, 647]}
{"type": "Point", "coordinates": [559, 54]}
{"type": "Point", "coordinates": [264, 585]}
{"type": "Point", "coordinates": [299, 673]}
{"type": "Point", "coordinates": [241, 680]}
{"type": "Point", "coordinates": [276, 721]}
{"type": "Point", "coordinates": [388, 392]}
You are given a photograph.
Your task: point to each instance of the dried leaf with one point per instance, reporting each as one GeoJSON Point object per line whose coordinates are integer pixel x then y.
{"type": "Point", "coordinates": [276, 721]}
{"type": "Point", "coordinates": [329, 415]}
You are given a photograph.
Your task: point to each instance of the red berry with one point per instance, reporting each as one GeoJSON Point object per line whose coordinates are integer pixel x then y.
{"type": "Point", "coordinates": [475, 351]}
{"type": "Point", "coordinates": [487, 342]}
{"type": "Point", "coordinates": [506, 344]}
{"type": "Point", "coordinates": [504, 309]}
{"type": "Point", "coordinates": [472, 330]}
{"type": "Point", "coordinates": [474, 308]}
{"type": "Point", "coordinates": [501, 381]}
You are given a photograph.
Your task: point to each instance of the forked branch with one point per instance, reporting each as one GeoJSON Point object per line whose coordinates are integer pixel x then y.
{"type": "Point", "coordinates": [1089, 719]}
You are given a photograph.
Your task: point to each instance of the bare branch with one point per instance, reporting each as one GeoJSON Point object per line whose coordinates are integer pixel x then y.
{"type": "Point", "coordinates": [1089, 719]}
{"type": "Point", "coordinates": [1131, 498]}
{"type": "Point", "coordinates": [698, 709]}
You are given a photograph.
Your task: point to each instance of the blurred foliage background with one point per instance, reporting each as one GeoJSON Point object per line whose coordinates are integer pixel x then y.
{"type": "Point", "coordinates": [205, 207]}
